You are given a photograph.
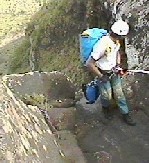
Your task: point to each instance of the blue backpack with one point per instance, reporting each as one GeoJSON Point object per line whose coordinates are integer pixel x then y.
{"type": "Point", "coordinates": [87, 41]}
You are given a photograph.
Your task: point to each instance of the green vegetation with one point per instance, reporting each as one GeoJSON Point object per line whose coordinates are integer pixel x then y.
{"type": "Point", "coordinates": [19, 61]}
{"type": "Point", "coordinates": [14, 15]}
{"type": "Point", "coordinates": [52, 36]}
{"type": "Point", "coordinates": [54, 31]}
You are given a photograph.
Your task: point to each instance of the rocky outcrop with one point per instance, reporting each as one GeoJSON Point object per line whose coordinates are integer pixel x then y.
{"type": "Point", "coordinates": [136, 46]}
{"type": "Point", "coordinates": [24, 135]}
{"type": "Point", "coordinates": [28, 135]}
{"type": "Point", "coordinates": [135, 13]}
{"type": "Point", "coordinates": [55, 86]}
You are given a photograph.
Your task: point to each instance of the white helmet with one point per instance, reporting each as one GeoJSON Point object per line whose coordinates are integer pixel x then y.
{"type": "Point", "coordinates": [120, 28]}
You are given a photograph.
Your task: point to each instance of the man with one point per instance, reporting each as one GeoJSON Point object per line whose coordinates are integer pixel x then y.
{"type": "Point", "coordinates": [104, 62]}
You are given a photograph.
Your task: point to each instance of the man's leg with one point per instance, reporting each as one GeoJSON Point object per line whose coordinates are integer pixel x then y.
{"type": "Point", "coordinates": [106, 95]}
{"type": "Point", "coordinates": [120, 98]}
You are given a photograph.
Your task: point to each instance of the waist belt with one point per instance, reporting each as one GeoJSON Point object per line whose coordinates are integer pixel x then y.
{"type": "Point", "coordinates": [110, 73]}
{"type": "Point", "coordinates": [106, 72]}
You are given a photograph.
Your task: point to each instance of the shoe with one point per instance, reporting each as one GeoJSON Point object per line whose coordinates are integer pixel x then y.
{"type": "Point", "coordinates": [107, 113]}
{"type": "Point", "coordinates": [128, 119]}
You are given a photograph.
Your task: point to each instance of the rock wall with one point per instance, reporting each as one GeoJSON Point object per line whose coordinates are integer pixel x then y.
{"type": "Point", "coordinates": [27, 135]}
{"type": "Point", "coordinates": [135, 12]}
{"type": "Point", "coordinates": [24, 134]}
{"type": "Point", "coordinates": [54, 85]}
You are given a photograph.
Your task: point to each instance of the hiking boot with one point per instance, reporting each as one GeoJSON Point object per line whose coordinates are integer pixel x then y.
{"type": "Point", "coordinates": [107, 113]}
{"type": "Point", "coordinates": [128, 119]}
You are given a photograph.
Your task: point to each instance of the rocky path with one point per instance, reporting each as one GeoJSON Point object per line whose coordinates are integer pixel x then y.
{"type": "Point", "coordinates": [112, 142]}
{"type": "Point", "coordinates": [24, 129]}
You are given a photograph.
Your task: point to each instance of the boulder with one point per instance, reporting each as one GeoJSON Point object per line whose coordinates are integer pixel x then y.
{"type": "Point", "coordinates": [54, 86]}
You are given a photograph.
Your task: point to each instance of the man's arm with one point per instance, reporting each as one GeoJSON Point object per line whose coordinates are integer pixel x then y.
{"type": "Point", "coordinates": [118, 62]}
{"type": "Point", "coordinates": [91, 64]}
{"type": "Point", "coordinates": [97, 53]}
{"type": "Point", "coordinates": [123, 72]}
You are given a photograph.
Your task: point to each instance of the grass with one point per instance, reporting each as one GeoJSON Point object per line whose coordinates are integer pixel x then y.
{"type": "Point", "coordinates": [19, 61]}
{"type": "Point", "coordinates": [58, 22]}
{"type": "Point", "coordinates": [15, 15]}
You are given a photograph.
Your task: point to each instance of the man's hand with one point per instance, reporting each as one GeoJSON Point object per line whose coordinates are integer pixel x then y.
{"type": "Point", "coordinates": [100, 75]}
{"type": "Point", "coordinates": [123, 73]}
{"type": "Point", "coordinates": [120, 71]}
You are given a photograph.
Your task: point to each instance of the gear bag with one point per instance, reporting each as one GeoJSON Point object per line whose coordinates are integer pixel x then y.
{"type": "Point", "coordinates": [87, 41]}
{"type": "Point", "coordinates": [91, 91]}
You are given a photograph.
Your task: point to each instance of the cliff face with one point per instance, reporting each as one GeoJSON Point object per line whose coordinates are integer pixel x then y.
{"type": "Point", "coordinates": [24, 134]}
{"type": "Point", "coordinates": [136, 14]}
{"type": "Point", "coordinates": [27, 135]}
